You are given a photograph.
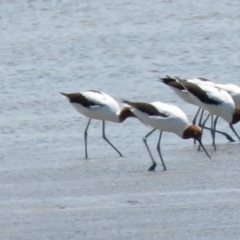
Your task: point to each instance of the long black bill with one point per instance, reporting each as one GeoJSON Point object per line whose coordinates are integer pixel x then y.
{"type": "Point", "coordinates": [200, 142]}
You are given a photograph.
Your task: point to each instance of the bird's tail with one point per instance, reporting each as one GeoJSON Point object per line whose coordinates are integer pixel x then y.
{"type": "Point", "coordinates": [125, 101]}
{"type": "Point", "coordinates": [132, 104]}
{"type": "Point", "coordinates": [66, 95]}
{"type": "Point", "coordinates": [167, 79]}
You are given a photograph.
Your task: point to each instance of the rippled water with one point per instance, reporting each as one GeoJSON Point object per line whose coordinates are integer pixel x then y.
{"type": "Point", "coordinates": [119, 47]}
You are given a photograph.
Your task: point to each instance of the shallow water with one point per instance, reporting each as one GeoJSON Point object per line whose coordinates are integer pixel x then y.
{"type": "Point", "coordinates": [121, 48]}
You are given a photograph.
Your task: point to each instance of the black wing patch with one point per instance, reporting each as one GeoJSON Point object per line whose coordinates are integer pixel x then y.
{"type": "Point", "coordinates": [146, 108]}
{"type": "Point", "coordinates": [80, 99]}
{"type": "Point", "coordinates": [172, 82]}
{"type": "Point", "coordinates": [200, 94]}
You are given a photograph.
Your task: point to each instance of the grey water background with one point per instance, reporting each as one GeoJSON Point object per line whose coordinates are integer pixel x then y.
{"type": "Point", "coordinates": [47, 189]}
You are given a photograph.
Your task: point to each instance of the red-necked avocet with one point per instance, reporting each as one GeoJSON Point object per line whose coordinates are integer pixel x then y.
{"type": "Point", "coordinates": [216, 101]}
{"type": "Point", "coordinates": [166, 118]}
{"type": "Point", "coordinates": [98, 105]}
{"type": "Point", "coordinates": [183, 94]}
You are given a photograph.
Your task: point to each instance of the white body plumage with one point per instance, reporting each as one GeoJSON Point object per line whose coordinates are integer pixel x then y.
{"type": "Point", "coordinates": [175, 121]}
{"type": "Point", "coordinates": [106, 107]}
{"type": "Point", "coordinates": [225, 107]}
{"type": "Point", "coordinates": [233, 90]}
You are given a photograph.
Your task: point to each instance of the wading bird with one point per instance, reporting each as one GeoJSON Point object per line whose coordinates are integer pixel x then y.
{"type": "Point", "coordinates": [98, 105]}
{"type": "Point", "coordinates": [183, 94]}
{"type": "Point", "coordinates": [166, 118]}
{"type": "Point", "coordinates": [217, 102]}
{"type": "Point", "coordinates": [179, 89]}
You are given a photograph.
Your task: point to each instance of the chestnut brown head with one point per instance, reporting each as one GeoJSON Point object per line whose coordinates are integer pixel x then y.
{"type": "Point", "coordinates": [236, 116]}
{"type": "Point", "coordinates": [192, 131]}
{"type": "Point", "coordinates": [125, 113]}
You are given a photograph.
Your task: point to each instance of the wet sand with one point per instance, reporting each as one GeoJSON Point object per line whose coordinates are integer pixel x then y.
{"type": "Point", "coordinates": [116, 198]}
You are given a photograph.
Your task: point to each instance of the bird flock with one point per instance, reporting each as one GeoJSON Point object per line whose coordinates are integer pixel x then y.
{"type": "Point", "coordinates": [219, 100]}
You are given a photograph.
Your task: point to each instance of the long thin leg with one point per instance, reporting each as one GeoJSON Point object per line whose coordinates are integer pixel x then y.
{"type": "Point", "coordinates": [231, 126]}
{"type": "Point", "coordinates": [152, 168]}
{"type": "Point", "coordinates": [159, 151]}
{"type": "Point", "coordinates": [203, 126]}
{"type": "Point", "coordinates": [200, 119]}
{"type": "Point", "coordinates": [196, 115]}
{"type": "Point", "coordinates": [213, 133]}
{"type": "Point", "coordinates": [199, 123]}
{"type": "Point", "coordinates": [85, 138]}
{"type": "Point", "coordinates": [105, 138]}
{"type": "Point", "coordinates": [215, 122]}
{"type": "Point", "coordinates": [214, 128]}
{"type": "Point", "coordinates": [204, 122]}
{"type": "Point", "coordinates": [229, 138]}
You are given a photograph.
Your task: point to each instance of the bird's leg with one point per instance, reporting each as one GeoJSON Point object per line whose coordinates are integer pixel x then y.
{"type": "Point", "coordinates": [159, 151]}
{"type": "Point", "coordinates": [200, 119]}
{"type": "Point", "coordinates": [213, 132]}
{"type": "Point", "coordinates": [199, 122]}
{"type": "Point", "coordinates": [214, 127]}
{"type": "Point", "coordinates": [203, 126]}
{"type": "Point", "coordinates": [229, 138]}
{"type": "Point", "coordinates": [105, 138]}
{"type": "Point", "coordinates": [195, 118]}
{"type": "Point", "coordinates": [194, 121]}
{"type": "Point", "coordinates": [152, 168]}
{"type": "Point", "coordinates": [215, 122]}
{"type": "Point", "coordinates": [231, 126]}
{"type": "Point", "coordinates": [85, 138]}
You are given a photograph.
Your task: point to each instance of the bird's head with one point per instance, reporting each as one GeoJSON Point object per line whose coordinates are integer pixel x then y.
{"type": "Point", "coordinates": [192, 131]}
{"type": "Point", "coordinates": [236, 116]}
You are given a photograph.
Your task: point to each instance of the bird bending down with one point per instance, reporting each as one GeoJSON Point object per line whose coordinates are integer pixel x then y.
{"type": "Point", "coordinates": [98, 105]}
{"type": "Point", "coordinates": [166, 118]}
{"type": "Point", "coordinates": [179, 89]}
{"type": "Point", "coordinates": [217, 102]}
{"type": "Point", "coordinates": [183, 94]}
